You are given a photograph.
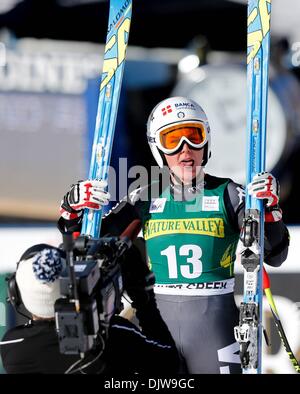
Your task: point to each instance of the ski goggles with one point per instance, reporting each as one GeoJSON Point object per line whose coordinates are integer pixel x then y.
{"type": "Point", "coordinates": [171, 139]}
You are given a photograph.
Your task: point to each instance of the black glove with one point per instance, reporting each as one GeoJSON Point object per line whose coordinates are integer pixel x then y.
{"type": "Point", "coordinates": [138, 280]}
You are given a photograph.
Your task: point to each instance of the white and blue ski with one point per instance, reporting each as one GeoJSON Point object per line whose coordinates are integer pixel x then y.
{"type": "Point", "coordinates": [110, 88]}
{"type": "Point", "coordinates": [249, 332]}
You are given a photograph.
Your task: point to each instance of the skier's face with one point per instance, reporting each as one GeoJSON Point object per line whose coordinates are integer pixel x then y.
{"type": "Point", "coordinates": [185, 164]}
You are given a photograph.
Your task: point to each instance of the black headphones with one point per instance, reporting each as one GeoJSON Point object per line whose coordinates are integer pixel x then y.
{"type": "Point", "coordinates": [14, 295]}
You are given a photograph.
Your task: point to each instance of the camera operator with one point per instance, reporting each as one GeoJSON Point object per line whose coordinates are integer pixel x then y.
{"type": "Point", "coordinates": [34, 346]}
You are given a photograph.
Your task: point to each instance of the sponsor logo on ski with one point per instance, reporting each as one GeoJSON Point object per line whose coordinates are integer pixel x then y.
{"type": "Point", "coordinates": [259, 18]}
{"type": "Point", "coordinates": [117, 43]}
{"type": "Point", "coordinates": [120, 14]}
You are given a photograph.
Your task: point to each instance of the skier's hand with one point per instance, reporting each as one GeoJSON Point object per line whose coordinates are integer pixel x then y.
{"type": "Point", "coordinates": [89, 194]}
{"type": "Point", "coordinates": [265, 186]}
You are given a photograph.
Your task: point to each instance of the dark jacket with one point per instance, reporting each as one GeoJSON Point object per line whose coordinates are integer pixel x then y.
{"type": "Point", "coordinates": [127, 350]}
{"type": "Point", "coordinates": [132, 207]}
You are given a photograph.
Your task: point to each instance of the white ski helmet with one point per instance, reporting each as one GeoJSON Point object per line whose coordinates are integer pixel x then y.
{"type": "Point", "coordinates": [171, 112]}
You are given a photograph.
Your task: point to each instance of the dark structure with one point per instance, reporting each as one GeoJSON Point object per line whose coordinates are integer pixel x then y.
{"type": "Point", "coordinates": [168, 23]}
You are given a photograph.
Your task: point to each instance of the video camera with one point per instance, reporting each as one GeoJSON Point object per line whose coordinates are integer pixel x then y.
{"type": "Point", "coordinates": [91, 287]}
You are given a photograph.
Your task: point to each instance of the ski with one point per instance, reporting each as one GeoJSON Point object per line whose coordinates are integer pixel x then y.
{"type": "Point", "coordinates": [281, 332]}
{"type": "Point", "coordinates": [249, 331]}
{"type": "Point", "coordinates": [110, 88]}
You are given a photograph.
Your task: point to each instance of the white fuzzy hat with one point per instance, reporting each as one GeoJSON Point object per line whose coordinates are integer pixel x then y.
{"type": "Point", "coordinates": [37, 280]}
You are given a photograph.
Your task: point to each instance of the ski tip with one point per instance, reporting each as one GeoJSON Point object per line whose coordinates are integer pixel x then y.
{"type": "Point", "coordinates": [266, 280]}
